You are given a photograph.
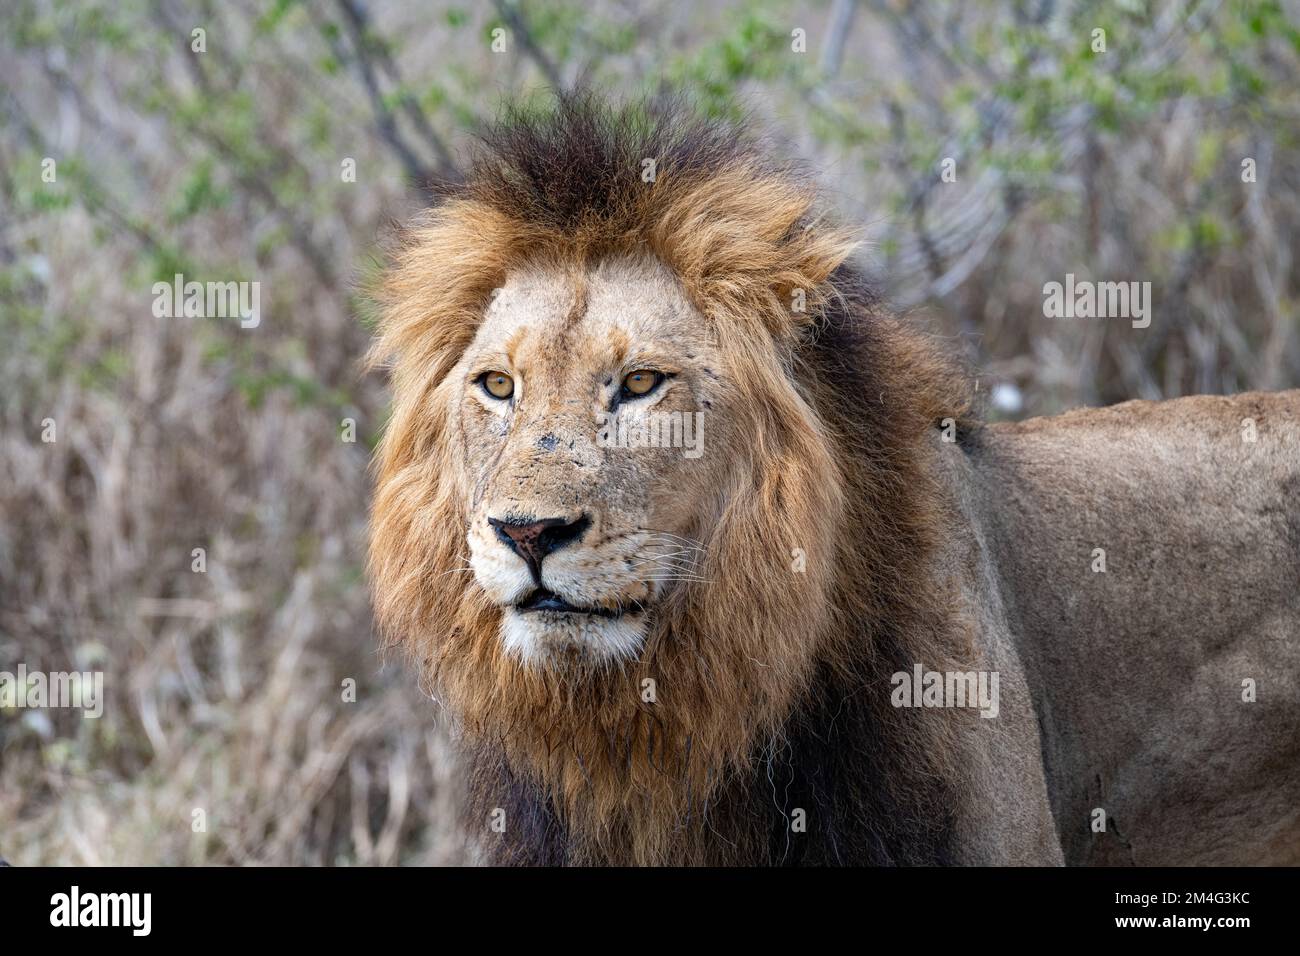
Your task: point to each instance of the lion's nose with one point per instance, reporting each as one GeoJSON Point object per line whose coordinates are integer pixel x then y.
{"type": "Point", "coordinates": [533, 539]}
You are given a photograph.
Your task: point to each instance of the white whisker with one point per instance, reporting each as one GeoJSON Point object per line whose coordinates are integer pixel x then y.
{"type": "Point", "coordinates": [458, 570]}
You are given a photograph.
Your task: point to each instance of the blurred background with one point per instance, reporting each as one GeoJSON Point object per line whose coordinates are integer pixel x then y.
{"type": "Point", "coordinates": [226, 689]}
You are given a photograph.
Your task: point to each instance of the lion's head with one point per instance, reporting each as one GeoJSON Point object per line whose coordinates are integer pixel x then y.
{"type": "Point", "coordinates": [618, 622]}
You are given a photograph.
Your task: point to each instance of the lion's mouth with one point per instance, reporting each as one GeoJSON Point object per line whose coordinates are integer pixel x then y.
{"type": "Point", "coordinates": [545, 600]}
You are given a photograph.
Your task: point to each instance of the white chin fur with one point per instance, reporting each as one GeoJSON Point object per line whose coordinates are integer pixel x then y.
{"type": "Point", "coordinates": [534, 637]}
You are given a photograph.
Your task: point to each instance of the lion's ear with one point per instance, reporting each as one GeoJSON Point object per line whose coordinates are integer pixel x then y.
{"type": "Point", "coordinates": [750, 242]}
{"type": "Point", "coordinates": [813, 251]}
{"type": "Point", "coordinates": [439, 279]}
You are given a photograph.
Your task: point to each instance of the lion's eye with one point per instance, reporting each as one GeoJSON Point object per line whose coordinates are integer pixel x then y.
{"type": "Point", "coordinates": [641, 382]}
{"type": "Point", "coordinates": [498, 384]}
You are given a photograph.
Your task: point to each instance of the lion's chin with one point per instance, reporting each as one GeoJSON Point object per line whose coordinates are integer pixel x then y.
{"type": "Point", "coordinates": [538, 638]}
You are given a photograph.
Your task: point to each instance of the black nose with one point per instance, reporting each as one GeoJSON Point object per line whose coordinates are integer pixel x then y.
{"type": "Point", "coordinates": [533, 539]}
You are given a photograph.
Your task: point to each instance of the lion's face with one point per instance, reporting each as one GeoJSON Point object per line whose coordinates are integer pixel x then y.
{"type": "Point", "coordinates": [581, 522]}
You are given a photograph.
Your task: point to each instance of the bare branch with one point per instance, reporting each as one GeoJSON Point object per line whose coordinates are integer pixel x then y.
{"type": "Point", "coordinates": [837, 33]}
{"type": "Point", "coordinates": [514, 18]}
{"type": "Point", "coordinates": [367, 45]}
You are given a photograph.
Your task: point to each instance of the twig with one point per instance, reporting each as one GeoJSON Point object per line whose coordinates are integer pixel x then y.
{"type": "Point", "coordinates": [518, 26]}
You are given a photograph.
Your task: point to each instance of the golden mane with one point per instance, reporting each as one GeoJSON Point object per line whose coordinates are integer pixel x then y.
{"type": "Point", "coordinates": [761, 671]}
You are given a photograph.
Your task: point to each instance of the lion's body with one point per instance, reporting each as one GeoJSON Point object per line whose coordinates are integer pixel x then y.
{"type": "Point", "coordinates": [736, 705]}
{"type": "Point", "coordinates": [1137, 672]}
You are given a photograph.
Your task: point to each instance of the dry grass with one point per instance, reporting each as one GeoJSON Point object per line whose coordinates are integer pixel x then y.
{"type": "Point", "coordinates": [224, 688]}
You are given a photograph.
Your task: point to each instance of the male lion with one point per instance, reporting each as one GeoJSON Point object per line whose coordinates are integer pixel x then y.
{"type": "Point", "coordinates": [653, 657]}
